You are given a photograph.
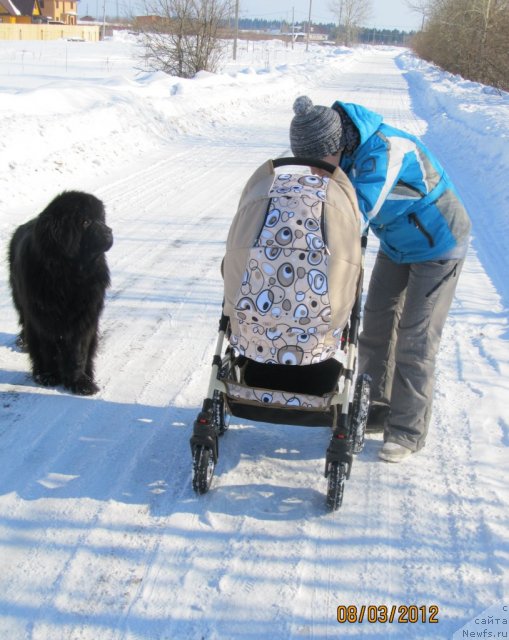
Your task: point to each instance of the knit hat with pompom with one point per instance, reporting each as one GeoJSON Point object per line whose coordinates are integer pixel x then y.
{"type": "Point", "coordinates": [315, 131]}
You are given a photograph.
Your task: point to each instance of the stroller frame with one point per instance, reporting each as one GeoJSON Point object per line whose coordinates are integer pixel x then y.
{"type": "Point", "coordinates": [344, 407]}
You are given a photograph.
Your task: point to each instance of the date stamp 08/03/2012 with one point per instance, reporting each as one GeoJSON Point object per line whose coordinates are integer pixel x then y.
{"type": "Point", "coordinates": [399, 614]}
{"type": "Point", "coordinates": [493, 622]}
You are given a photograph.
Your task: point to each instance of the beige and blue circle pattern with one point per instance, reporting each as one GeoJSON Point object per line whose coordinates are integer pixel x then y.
{"type": "Point", "coordinates": [283, 306]}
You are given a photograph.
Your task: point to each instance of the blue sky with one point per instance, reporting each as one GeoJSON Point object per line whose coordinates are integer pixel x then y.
{"type": "Point", "coordinates": [392, 14]}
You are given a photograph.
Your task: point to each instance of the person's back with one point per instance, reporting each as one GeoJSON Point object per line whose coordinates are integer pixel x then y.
{"type": "Point", "coordinates": [403, 191]}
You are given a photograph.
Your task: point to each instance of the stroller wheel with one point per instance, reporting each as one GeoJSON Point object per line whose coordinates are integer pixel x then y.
{"type": "Point", "coordinates": [359, 415]}
{"type": "Point", "coordinates": [338, 472]}
{"type": "Point", "coordinates": [203, 469]}
{"type": "Point", "coordinates": [220, 414]}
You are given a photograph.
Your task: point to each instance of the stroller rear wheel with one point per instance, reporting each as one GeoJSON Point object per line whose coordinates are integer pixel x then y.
{"type": "Point", "coordinates": [338, 472]}
{"type": "Point", "coordinates": [203, 468]}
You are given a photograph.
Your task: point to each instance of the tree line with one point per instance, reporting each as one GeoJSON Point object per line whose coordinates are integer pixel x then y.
{"type": "Point", "coordinates": [466, 37]}
{"type": "Point", "coordinates": [335, 33]}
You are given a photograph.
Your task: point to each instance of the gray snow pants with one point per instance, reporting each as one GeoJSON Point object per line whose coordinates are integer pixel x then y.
{"type": "Point", "coordinates": [405, 312]}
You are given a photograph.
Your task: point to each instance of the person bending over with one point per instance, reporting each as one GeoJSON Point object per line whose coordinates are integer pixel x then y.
{"type": "Point", "coordinates": [411, 205]}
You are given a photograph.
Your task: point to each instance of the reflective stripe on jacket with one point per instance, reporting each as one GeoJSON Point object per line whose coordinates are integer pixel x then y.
{"type": "Point", "coordinates": [403, 191]}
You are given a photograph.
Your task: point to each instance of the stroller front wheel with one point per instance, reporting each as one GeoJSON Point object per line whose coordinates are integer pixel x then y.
{"type": "Point", "coordinates": [203, 469]}
{"type": "Point", "coordinates": [338, 472]}
{"type": "Point", "coordinates": [220, 414]}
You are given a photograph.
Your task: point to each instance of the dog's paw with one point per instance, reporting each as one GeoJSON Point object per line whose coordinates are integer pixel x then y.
{"type": "Point", "coordinates": [20, 343]}
{"type": "Point", "coordinates": [47, 379]}
{"type": "Point", "coordinates": [83, 387]}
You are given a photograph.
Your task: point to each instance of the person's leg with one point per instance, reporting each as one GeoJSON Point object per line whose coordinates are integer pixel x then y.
{"type": "Point", "coordinates": [377, 340]}
{"type": "Point", "coordinates": [429, 294]}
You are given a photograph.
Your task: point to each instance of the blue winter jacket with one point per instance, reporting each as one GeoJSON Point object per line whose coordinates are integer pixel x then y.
{"type": "Point", "coordinates": [403, 192]}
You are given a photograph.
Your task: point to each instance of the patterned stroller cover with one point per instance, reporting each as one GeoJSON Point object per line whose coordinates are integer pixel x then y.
{"type": "Point", "coordinates": [292, 286]}
{"type": "Point", "coordinates": [292, 266]}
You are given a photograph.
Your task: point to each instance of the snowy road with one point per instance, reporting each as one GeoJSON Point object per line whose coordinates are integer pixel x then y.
{"type": "Point", "coordinates": [101, 535]}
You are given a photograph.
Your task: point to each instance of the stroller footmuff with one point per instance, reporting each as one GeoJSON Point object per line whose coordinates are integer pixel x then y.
{"type": "Point", "coordinates": [292, 296]}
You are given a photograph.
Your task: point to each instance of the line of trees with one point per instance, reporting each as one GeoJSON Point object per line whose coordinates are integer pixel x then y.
{"type": "Point", "coordinates": [182, 37]}
{"type": "Point", "coordinates": [467, 37]}
{"type": "Point", "coordinates": [337, 33]}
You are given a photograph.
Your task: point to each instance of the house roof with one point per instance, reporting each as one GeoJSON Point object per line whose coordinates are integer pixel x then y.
{"type": "Point", "coordinates": [25, 7]}
{"type": "Point", "coordinates": [10, 8]}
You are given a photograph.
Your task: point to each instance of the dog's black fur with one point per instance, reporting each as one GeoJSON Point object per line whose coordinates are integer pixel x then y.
{"type": "Point", "coordinates": [58, 278]}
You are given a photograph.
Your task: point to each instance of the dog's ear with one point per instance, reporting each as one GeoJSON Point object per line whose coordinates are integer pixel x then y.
{"type": "Point", "coordinates": [55, 232]}
{"type": "Point", "coordinates": [44, 233]}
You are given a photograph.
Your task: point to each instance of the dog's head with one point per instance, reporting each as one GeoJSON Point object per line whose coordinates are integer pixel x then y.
{"type": "Point", "coordinates": [73, 225]}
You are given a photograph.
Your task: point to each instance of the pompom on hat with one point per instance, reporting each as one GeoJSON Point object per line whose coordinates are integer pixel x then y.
{"type": "Point", "coordinates": [315, 131]}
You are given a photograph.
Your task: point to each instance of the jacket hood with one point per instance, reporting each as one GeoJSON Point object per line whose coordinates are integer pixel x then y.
{"type": "Point", "coordinates": [366, 121]}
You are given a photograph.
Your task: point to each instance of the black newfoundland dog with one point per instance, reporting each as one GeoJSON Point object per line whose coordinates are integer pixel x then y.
{"type": "Point", "coordinates": [58, 277]}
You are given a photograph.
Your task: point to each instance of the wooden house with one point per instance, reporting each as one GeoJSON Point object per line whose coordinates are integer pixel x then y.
{"type": "Point", "coordinates": [64, 11]}
{"type": "Point", "coordinates": [9, 12]}
{"type": "Point", "coordinates": [33, 11]}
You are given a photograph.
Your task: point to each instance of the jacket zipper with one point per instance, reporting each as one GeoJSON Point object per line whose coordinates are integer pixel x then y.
{"type": "Point", "coordinates": [418, 224]}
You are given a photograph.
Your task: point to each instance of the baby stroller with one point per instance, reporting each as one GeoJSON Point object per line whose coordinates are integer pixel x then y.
{"type": "Point", "coordinates": [292, 273]}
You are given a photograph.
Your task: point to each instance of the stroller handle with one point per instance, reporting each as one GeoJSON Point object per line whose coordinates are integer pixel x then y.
{"type": "Point", "coordinates": [307, 162]}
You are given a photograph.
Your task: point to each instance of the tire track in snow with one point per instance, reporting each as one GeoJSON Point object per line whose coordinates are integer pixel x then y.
{"type": "Point", "coordinates": [179, 251]}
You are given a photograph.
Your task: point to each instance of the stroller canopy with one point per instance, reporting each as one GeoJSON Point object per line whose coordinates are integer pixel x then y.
{"type": "Point", "coordinates": [292, 265]}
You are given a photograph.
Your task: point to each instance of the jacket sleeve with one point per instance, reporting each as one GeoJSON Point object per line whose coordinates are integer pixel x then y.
{"type": "Point", "coordinates": [375, 172]}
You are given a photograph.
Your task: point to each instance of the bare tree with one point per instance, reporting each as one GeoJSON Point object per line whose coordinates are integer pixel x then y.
{"type": "Point", "coordinates": [422, 7]}
{"type": "Point", "coordinates": [350, 14]}
{"type": "Point", "coordinates": [183, 36]}
{"type": "Point", "coordinates": [489, 14]}
{"type": "Point", "coordinates": [468, 37]}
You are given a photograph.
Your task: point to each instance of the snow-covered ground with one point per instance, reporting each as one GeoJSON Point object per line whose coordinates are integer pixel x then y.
{"type": "Point", "coordinates": [101, 535]}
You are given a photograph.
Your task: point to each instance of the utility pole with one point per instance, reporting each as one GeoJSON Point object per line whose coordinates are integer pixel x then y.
{"type": "Point", "coordinates": [340, 19]}
{"type": "Point", "coordinates": [293, 25]}
{"type": "Point", "coordinates": [309, 25]}
{"type": "Point", "coordinates": [236, 34]}
{"type": "Point", "coordinates": [104, 19]}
